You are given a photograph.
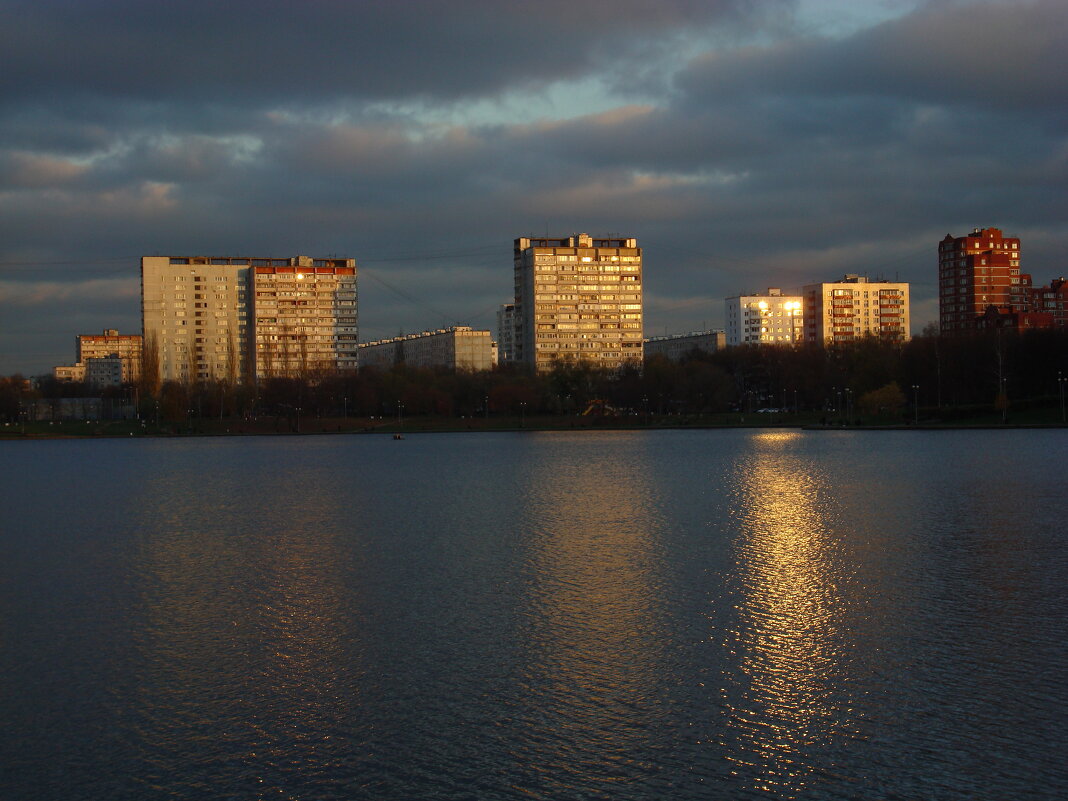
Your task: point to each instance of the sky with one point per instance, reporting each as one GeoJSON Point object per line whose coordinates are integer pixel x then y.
{"type": "Point", "coordinates": [744, 143]}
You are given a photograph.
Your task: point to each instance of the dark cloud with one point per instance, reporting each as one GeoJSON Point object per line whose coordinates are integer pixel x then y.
{"type": "Point", "coordinates": [254, 51]}
{"type": "Point", "coordinates": [384, 132]}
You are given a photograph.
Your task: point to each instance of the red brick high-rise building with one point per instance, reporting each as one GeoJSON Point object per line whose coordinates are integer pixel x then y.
{"type": "Point", "coordinates": [977, 272]}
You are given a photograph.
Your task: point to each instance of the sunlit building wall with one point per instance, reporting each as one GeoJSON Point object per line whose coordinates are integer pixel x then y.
{"type": "Point", "coordinates": [578, 299]}
{"type": "Point", "coordinates": [771, 318]}
{"type": "Point", "coordinates": [456, 348]}
{"type": "Point", "coordinates": [677, 346]}
{"type": "Point", "coordinates": [199, 315]}
{"type": "Point", "coordinates": [110, 343]}
{"type": "Point", "coordinates": [976, 272]}
{"type": "Point", "coordinates": [69, 373]}
{"type": "Point", "coordinates": [855, 307]}
{"type": "Point", "coordinates": [304, 316]}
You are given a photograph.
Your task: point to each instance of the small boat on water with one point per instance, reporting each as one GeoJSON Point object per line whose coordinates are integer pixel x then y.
{"type": "Point", "coordinates": [398, 436]}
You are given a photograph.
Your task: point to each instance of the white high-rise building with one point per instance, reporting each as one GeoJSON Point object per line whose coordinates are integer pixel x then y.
{"type": "Point", "coordinates": [768, 319]}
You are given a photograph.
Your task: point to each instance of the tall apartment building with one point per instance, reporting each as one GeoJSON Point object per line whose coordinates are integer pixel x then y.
{"type": "Point", "coordinates": [456, 348]}
{"type": "Point", "coordinates": [678, 346]}
{"type": "Point", "coordinates": [976, 272]}
{"type": "Point", "coordinates": [768, 319]}
{"type": "Point", "coordinates": [847, 310]}
{"type": "Point", "coordinates": [304, 317]}
{"type": "Point", "coordinates": [506, 332]}
{"type": "Point", "coordinates": [238, 318]}
{"type": "Point", "coordinates": [578, 299]}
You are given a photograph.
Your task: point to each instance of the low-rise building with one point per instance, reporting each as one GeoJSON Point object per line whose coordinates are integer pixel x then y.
{"type": "Point", "coordinates": [677, 346]}
{"type": "Point", "coordinates": [456, 348]}
{"type": "Point", "coordinates": [771, 318]}
{"type": "Point", "coordinates": [69, 373]}
{"type": "Point", "coordinates": [124, 347]}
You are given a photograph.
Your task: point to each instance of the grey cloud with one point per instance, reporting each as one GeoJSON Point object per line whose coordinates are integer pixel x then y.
{"type": "Point", "coordinates": [310, 50]}
{"type": "Point", "coordinates": [994, 56]}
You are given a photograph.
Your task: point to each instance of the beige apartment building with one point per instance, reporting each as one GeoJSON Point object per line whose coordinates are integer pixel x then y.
{"type": "Point", "coordinates": [771, 318]}
{"type": "Point", "coordinates": [103, 360]}
{"type": "Point", "coordinates": [577, 299]}
{"type": "Point", "coordinates": [239, 318]}
{"type": "Point", "coordinates": [847, 310]}
{"type": "Point", "coordinates": [304, 315]}
{"type": "Point", "coordinates": [111, 344]}
{"type": "Point", "coordinates": [456, 348]}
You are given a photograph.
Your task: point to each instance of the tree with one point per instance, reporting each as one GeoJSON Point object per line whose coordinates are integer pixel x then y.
{"type": "Point", "coordinates": [887, 401]}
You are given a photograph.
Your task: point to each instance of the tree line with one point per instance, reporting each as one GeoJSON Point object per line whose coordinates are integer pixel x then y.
{"type": "Point", "coordinates": [874, 378]}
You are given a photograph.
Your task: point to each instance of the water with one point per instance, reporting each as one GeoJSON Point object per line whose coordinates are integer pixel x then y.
{"type": "Point", "coordinates": [636, 615]}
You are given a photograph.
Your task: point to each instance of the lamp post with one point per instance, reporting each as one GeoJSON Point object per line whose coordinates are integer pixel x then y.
{"type": "Point", "coordinates": [485, 406]}
{"type": "Point", "coordinates": [1060, 382]}
{"type": "Point", "coordinates": [522, 414]}
{"type": "Point", "coordinates": [849, 404]}
{"type": "Point", "coordinates": [400, 414]}
{"type": "Point", "coordinates": [916, 404]}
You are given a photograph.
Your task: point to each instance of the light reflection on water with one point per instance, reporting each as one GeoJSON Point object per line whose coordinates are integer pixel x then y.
{"type": "Point", "coordinates": [594, 615]}
{"type": "Point", "coordinates": [588, 615]}
{"type": "Point", "coordinates": [789, 640]}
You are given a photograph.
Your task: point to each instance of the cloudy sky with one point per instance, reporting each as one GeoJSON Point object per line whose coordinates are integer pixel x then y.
{"type": "Point", "coordinates": [745, 143]}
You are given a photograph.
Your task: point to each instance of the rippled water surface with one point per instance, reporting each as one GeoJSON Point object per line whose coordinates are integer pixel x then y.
{"type": "Point", "coordinates": [639, 615]}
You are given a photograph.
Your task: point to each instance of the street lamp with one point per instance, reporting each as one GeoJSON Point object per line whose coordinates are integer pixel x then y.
{"type": "Point", "coordinates": [916, 404]}
{"type": "Point", "coordinates": [400, 410]}
{"type": "Point", "coordinates": [849, 404]}
{"type": "Point", "coordinates": [485, 406]}
{"type": "Point", "coordinates": [1060, 382]}
{"type": "Point", "coordinates": [522, 414]}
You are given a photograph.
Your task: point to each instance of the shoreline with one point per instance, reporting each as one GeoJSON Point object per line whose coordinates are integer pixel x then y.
{"type": "Point", "coordinates": [404, 432]}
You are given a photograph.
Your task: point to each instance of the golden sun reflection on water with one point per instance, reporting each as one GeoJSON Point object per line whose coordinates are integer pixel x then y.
{"type": "Point", "coordinates": [789, 641]}
{"type": "Point", "coordinates": [592, 630]}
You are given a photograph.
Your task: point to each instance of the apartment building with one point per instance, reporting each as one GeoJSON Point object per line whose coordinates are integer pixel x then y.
{"type": "Point", "coordinates": [977, 272]}
{"type": "Point", "coordinates": [855, 307]}
{"type": "Point", "coordinates": [110, 343]}
{"type": "Point", "coordinates": [241, 318]}
{"type": "Point", "coordinates": [577, 298]}
{"type": "Point", "coordinates": [506, 333]}
{"type": "Point", "coordinates": [304, 317]}
{"type": "Point", "coordinates": [771, 318]}
{"type": "Point", "coordinates": [457, 348]}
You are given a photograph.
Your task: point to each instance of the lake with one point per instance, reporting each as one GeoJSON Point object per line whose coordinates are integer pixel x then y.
{"type": "Point", "coordinates": [590, 615]}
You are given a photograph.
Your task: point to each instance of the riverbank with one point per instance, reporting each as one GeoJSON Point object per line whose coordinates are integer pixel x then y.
{"type": "Point", "coordinates": [283, 426]}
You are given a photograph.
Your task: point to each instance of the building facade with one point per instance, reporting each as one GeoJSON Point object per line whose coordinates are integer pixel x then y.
{"type": "Point", "coordinates": [577, 299]}
{"type": "Point", "coordinates": [768, 319]}
{"type": "Point", "coordinates": [304, 317]}
{"type": "Point", "coordinates": [976, 272]}
{"type": "Point", "coordinates": [110, 343]}
{"type": "Point", "coordinates": [855, 307]}
{"type": "Point", "coordinates": [69, 373]}
{"type": "Point", "coordinates": [456, 348]}
{"type": "Point", "coordinates": [201, 319]}
{"type": "Point", "coordinates": [506, 333]}
{"type": "Point", "coordinates": [1052, 300]}
{"type": "Point", "coordinates": [677, 346]}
